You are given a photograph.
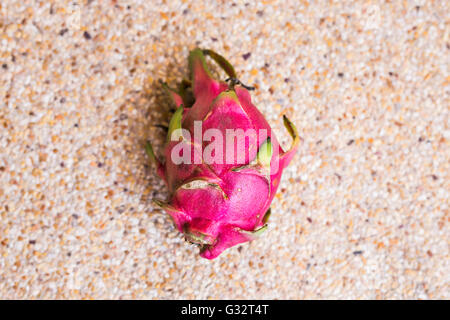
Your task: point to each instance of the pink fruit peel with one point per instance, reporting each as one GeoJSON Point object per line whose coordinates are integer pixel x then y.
{"type": "Point", "coordinates": [218, 206]}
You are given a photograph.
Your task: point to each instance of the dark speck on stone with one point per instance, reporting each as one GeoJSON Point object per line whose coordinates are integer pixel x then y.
{"type": "Point", "coordinates": [5, 66]}
{"type": "Point", "coordinates": [309, 219]}
{"type": "Point", "coordinates": [350, 142]}
{"type": "Point", "coordinates": [286, 80]}
{"type": "Point", "coordinates": [214, 39]}
{"type": "Point", "coordinates": [260, 13]}
{"type": "Point", "coordinates": [63, 31]}
{"type": "Point", "coordinates": [357, 253]}
{"type": "Point", "coordinates": [246, 56]}
{"type": "Point", "coordinates": [99, 164]}
{"type": "Point", "coordinates": [32, 242]}
{"type": "Point", "coordinates": [87, 36]}
{"type": "Point", "coordinates": [340, 75]}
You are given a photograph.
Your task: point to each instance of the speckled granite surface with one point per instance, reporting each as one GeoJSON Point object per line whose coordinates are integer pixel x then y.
{"type": "Point", "coordinates": [362, 211]}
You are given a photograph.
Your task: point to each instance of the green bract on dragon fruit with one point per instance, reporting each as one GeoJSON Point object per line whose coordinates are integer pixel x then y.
{"type": "Point", "coordinates": [219, 197]}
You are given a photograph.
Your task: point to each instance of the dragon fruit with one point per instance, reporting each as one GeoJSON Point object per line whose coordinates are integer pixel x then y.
{"type": "Point", "coordinates": [221, 203]}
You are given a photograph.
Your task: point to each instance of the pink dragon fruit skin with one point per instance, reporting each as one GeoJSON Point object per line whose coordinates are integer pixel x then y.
{"type": "Point", "coordinates": [218, 206]}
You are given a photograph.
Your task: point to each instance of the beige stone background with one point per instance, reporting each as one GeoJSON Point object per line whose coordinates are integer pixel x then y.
{"type": "Point", "coordinates": [362, 211]}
